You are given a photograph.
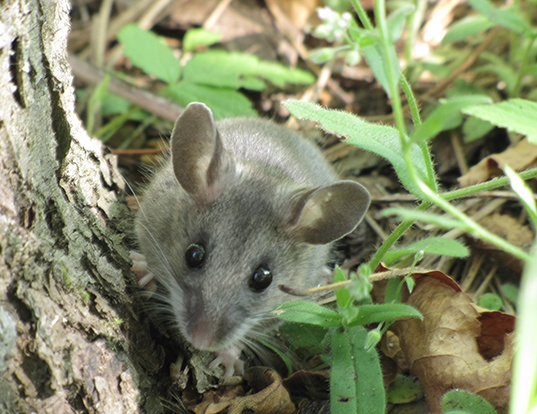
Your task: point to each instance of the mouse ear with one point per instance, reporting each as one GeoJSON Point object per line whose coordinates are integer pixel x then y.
{"type": "Point", "coordinates": [328, 213]}
{"type": "Point", "coordinates": [200, 162]}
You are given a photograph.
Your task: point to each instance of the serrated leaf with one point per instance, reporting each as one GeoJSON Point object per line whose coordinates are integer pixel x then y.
{"type": "Point", "coordinates": [509, 18]}
{"type": "Point", "coordinates": [307, 312]}
{"type": "Point", "coordinates": [467, 402]}
{"type": "Point", "coordinates": [224, 102]}
{"type": "Point", "coordinates": [466, 27]}
{"type": "Point", "coordinates": [517, 115]}
{"type": "Point", "coordinates": [386, 312]}
{"type": "Point", "coordinates": [355, 373]}
{"type": "Point", "coordinates": [423, 216]}
{"type": "Point", "coordinates": [523, 191]}
{"type": "Point", "coordinates": [441, 117]}
{"type": "Point", "coordinates": [198, 37]}
{"type": "Point", "coordinates": [147, 51]}
{"type": "Point", "coordinates": [378, 139]}
{"type": "Point", "coordinates": [430, 245]}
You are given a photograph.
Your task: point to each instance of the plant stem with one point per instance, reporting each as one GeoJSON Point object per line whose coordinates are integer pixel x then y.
{"type": "Point", "coordinates": [393, 237]}
{"type": "Point", "coordinates": [486, 186]}
{"type": "Point", "coordinates": [516, 89]}
{"type": "Point", "coordinates": [362, 15]}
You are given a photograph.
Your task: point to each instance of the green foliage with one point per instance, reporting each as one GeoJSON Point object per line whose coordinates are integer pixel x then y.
{"type": "Point", "coordinates": [213, 76]}
{"type": "Point", "coordinates": [490, 301]}
{"type": "Point", "coordinates": [149, 53]}
{"type": "Point", "coordinates": [199, 37]}
{"type": "Point", "coordinates": [403, 390]}
{"type": "Point", "coordinates": [353, 353]}
{"type": "Point", "coordinates": [464, 402]}
{"type": "Point", "coordinates": [430, 245]}
{"type": "Point", "coordinates": [410, 157]}
{"type": "Point", "coordinates": [517, 115]}
{"type": "Point", "coordinates": [381, 140]}
{"type": "Point", "coordinates": [356, 384]}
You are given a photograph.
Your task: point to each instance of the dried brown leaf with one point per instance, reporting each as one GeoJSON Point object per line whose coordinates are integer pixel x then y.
{"type": "Point", "coordinates": [518, 157]}
{"type": "Point", "coordinates": [456, 345]}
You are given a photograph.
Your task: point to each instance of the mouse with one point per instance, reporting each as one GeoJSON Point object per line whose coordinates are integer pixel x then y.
{"type": "Point", "coordinates": [242, 207]}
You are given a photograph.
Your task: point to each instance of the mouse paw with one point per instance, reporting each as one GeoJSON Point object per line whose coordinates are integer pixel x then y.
{"type": "Point", "coordinates": [145, 278]}
{"type": "Point", "coordinates": [230, 360]}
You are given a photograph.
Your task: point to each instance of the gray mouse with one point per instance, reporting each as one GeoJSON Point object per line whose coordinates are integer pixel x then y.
{"type": "Point", "coordinates": [241, 207]}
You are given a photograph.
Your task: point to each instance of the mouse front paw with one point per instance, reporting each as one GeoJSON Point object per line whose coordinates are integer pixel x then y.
{"type": "Point", "coordinates": [230, 360]}
{"type": "Point", "coordinates": [145, 278]}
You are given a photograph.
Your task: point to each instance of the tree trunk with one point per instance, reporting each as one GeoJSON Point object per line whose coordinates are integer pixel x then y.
{"type": "Point", "coordinates": [69, 338]}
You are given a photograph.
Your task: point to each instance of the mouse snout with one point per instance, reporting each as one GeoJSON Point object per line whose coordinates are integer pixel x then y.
{"type": "Point", "coordinates": [209, 330]}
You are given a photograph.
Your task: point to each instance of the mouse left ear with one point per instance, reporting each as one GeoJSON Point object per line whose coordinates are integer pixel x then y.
{"type": "Point", "coordinates": [328, 213]}
{"type": "Point", "coordinates": [200, 162]}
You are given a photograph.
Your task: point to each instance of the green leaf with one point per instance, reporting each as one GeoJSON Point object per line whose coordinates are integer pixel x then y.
{"type": "Point", "coordinates": [147, 51]}
{"type": "Point", "coordinates": [324, 54]}
{"type": "Point", "coordinates": [356, 384]}
{"type": "Point", "coordinates": [431, 245]}
{"type": "Point", "coordinates": [467, 402]}
{"type": "Point", "coordinates": [305, 336]}
{"type": "Point", "coordinates": [396, 20]}
{"type": "Point", "coordinates": [509, 18]}
{"type": "Point", "coordinates": [490, 301]}
{"type": "Point", "coordinates": [440, 119]}
{"type": "Point", "coordinates": [343, 296]}
{"type": "Point", "coordinates": [523, 191]}
{"type": "Point", "coordinates": [386, 312]}
{"type": "Point", "coordinates": [439, 221]}
{"type": "Point", "coordinates": [224, 102]}
{"type": "Point", "coordinates": [96, 101]}
{"type": "Point", "coordinates": [379, 139]}
{"type": "Point", "coordinates": [307, 312]}
{"type": "Point", "coordinates": [510, 292]}
{"type": "Point", "coordinates": [517, 115]}
{"type": "Point", "coordinates": [467, 27]}
{"type": "Point", "coordinates": [240, 70]}
{"type": "Point", "coordinates": [475, 128]}
{"type": "Point", "coordinates": [403, 390]}
{"type": "Point", "coordinates": [199, 37]}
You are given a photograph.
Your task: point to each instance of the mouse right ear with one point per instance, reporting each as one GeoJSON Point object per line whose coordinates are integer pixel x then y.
{"type": "Point", "coordinates": [201, 164]}
{"type": "Point", "coordinates": [325, 214]}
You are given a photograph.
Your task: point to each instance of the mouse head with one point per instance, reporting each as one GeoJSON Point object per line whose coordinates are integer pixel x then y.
{"type": "Point", "coordinates": [241, 235]}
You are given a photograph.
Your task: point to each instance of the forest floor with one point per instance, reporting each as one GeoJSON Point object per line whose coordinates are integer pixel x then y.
{"type": "Point", "coordinates": [282, 31]}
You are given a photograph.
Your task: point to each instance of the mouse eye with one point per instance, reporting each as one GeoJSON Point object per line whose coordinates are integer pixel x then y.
{"type": "Point", "coordinates": [195, 255]}
{"type": "Point", "coordinates": [261, 279]}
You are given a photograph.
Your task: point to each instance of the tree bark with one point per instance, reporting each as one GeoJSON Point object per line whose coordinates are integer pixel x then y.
{"type": "Point", "coordinates": [70, 340]}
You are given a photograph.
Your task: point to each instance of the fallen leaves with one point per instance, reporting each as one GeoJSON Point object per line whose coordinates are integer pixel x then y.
{"type": "Point", "coordinates": [457, 345]}
{"type": "Point", "coordinates": [519, 157]}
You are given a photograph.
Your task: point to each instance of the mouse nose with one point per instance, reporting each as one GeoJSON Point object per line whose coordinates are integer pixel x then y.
{"type": "Point", "coordinates": [210, 331]}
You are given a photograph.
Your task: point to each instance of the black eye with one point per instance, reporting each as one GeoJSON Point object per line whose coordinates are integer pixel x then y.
{"type": "Point", "coordinates": [261, 279]}
{"type": "Point", "coordinates": [195, 255]}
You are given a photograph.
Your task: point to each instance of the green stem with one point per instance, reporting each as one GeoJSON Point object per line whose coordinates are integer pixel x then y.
{"type": "Point", "coordinates": [393, 237]}
{"type": "Point", "coordinates": [362, 15]}
{"type": "Point", "coordinates": [390, 69]}
{"type": "Point", "coordinates": [470, 226]}
{"type": "Point", "coordinates": [486, 186]}
{"type": "Point", "coordinates": [516, 89]}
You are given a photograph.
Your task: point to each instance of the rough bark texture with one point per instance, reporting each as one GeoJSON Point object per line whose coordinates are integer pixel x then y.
{"type": "Point", "coordinates": [69, 338]}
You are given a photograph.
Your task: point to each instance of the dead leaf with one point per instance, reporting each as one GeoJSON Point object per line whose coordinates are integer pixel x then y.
{"type": "Point", "coordinates": [269, 396]}
{"type": "Point", "coordinates": [456, 345]}
{"type": "Point", "coordinates": [518, 157]}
